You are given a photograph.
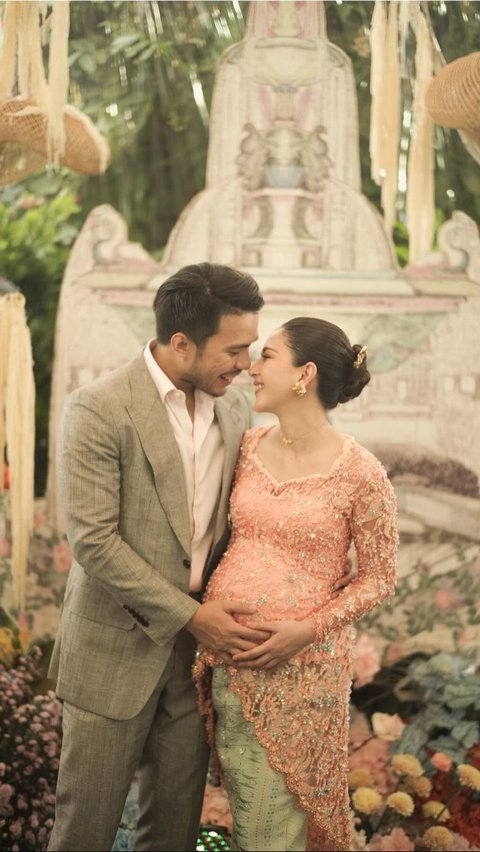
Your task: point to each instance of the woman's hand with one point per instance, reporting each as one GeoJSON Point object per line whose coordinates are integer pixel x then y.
{"type": "Point", "coordinates": [287, 639]}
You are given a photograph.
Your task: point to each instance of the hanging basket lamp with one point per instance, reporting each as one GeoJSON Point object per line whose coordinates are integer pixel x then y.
{"type": "Point", "coordinates": [453, 96]}
{"type": "Point", "coordinates": [24, 141]}
{"type": "Point", "coordinates": [37, 126]}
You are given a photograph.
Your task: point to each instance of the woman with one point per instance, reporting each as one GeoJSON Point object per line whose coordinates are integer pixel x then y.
{"type": "Point", "coordinates": [303, 492]}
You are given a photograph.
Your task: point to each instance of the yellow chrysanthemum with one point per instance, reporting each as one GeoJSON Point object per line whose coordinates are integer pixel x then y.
{"type": "Point", "coordinates": [407, 764]}
{"type": "Point", "coordinates": [436, 810]}
{"type": "Point", "coordinates": [421, 787]}
{"type": "Point", "coordinates": [438, 838]}
{"type": "Point", "coordinates": [366, 800]}
{"type": "Point", "coordinates": [468, 776]}
{"type": "Point", "coordinates": [359, 778]}
{"type": "Point", "coordinates": [402, 803]}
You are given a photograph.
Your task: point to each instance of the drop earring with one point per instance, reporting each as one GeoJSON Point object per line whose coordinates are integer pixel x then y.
{"type": "Point", "coordinates": [300, 390]}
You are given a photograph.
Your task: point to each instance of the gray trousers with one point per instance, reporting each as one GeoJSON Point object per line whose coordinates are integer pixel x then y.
{"type": "Point", "coordinates": [166, 742]}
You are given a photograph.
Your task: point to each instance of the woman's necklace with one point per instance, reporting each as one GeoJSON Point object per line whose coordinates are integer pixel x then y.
{"type": "Point", "coordinates": [289, 441]}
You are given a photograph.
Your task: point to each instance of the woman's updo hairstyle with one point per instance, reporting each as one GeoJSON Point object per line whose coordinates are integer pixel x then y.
{"type": "Point", "coordinates": [329, 348]}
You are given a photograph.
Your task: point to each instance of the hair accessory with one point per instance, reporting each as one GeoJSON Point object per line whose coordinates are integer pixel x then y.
{"type": "Point", "coordinates": [361, 355]}
{"type": "Point", "coordinates": [299, 389]}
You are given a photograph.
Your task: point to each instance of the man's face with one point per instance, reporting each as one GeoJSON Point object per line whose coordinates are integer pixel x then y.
{"type": "Point", "coordinates": [214, 366]}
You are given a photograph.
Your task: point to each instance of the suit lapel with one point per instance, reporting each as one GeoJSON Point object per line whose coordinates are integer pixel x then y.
{"type": "Point", "coordinates": [160, 447]}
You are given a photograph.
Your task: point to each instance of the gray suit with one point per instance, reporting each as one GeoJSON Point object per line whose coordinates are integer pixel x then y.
{"type": "Point", "coordinates": [121, 652]}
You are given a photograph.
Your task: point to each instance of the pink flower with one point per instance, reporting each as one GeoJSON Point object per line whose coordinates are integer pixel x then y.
{"type": "Point", "coordinates": [4, 547]}
{"type": "Point", "coordinates": [16, 828]}
{"type": "Point", "coordinates": [395, 652]}
{"type": "Point", "coordinates": [459, 844]}
{"type": "Point", "coordinates": [441, 761]}
{"type": "Point", "coordinates": [62, 557]}
{"type": "Point", "coordinates": [396, 841]}
{"type": "Point", "coordinates": [359, 729]}
{"type": "Point", "coordinates": [216, 809]}
{"type": "Point", "coordinates": [374, 756]}
{"type": "Point", "coordinates": [387, 727]}
{"type": "Point", "coordinates": [443, 599]}
{"type": "Point", "coordinates": [366, 660]}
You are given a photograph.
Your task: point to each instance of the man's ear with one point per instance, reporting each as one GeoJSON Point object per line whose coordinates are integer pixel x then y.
{"type": "Point", "coordinates": [181, 344]}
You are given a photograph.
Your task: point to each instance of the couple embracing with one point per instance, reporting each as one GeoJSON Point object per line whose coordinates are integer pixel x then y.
{"type": "Point", "coordinates": [176, 568]}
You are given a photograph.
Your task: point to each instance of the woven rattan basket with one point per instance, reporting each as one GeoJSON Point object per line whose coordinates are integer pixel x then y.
{"type": "Point", "coordinates": [453, 96]}
{"type": "Point", "coordinates": [23, 141]}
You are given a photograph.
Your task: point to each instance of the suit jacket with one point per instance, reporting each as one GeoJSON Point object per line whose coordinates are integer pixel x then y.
{"type": "Point", "coordinates": [122, 486]}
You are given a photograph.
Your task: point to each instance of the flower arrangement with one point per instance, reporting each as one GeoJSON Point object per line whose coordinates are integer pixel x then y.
{"type": "Point", "coordinates": [415, 782]}
{"type": "Point", "coordinates": [29, 748]}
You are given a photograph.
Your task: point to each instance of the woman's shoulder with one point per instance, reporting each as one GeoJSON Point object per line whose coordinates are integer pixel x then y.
{"type": "Point", "coordinates": [252, 436]}
{"type": "Point", "coordinates": [364, 465]}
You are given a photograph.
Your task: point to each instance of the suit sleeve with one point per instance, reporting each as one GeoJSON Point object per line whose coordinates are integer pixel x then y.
{"type": "Point", "coordinates": [89, 467]}
{"type": "Point", "coordinates": [374, 533]}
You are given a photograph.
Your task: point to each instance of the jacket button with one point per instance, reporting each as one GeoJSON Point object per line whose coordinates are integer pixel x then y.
{"type": "Point", "coordinates": [187, 564]}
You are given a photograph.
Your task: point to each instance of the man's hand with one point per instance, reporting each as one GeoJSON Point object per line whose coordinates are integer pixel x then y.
{"type": "Point", "coordinates": [350, 572]}
{"type": "Point", "coordinates": [214, 626]}
{"type": "Point", "coordinates": [287, 638]}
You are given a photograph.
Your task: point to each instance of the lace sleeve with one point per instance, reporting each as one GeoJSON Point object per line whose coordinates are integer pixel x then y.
{"type": "Point", "coordinates": [374, 533]}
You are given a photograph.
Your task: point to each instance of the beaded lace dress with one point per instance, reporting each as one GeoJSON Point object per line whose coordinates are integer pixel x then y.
{"type": "Point", "coordinates": [288, 545]}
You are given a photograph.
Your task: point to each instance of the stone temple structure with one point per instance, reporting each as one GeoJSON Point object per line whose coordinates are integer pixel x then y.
{"type": "Point", "coordinates": [283, 178]}
{"type": "Point", "coordinates": [283, 200]}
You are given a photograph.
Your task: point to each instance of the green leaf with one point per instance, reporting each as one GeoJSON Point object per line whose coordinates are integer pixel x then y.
{"type": "Point", "coordinates": [437, 717]}
{"type": "Point", "coordinates": [87, 63]}
{"type": "Point", "coordinates": [467, 733]}
{"type": "Point", "coordinates": [463, 694]}
{"type": "Point", "coordinates": [450, 747]}
{"type": "Point", "coordinates": [413, 739]}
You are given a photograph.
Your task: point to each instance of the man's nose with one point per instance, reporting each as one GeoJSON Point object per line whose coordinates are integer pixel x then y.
{"type": "Point", "coordinates": [243, 361]}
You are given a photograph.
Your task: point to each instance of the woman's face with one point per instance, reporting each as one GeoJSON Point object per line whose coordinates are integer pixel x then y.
{"type": "Point", "coordinates": [274, 375]}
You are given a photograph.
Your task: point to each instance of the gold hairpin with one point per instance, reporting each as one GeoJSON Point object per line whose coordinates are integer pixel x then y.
{"type": "Point", "coordinates": [361, 355]}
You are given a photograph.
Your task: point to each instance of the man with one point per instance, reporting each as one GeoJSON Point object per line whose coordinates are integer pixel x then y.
{"type": "Point", "coordinates": [146, 460]}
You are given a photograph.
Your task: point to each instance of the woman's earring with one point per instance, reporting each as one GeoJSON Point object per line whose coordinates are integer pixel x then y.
{"type": "Point", "coordinates": [299, 389]}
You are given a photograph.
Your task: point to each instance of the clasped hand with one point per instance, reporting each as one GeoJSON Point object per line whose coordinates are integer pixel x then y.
{"type": "Point", "coordinates": [286, 639]}
{"type": "Point", "coordinates": [252, 645]}
{"type": "Point", "coordinates": [256, 644]}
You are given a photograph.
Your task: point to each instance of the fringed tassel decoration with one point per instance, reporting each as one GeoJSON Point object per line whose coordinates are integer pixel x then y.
{"type": "Point", "coordinates": [385, 110]}
{"type": "Point", "coordinates": [420, 202]}
{"type": "Point", "coordinates": [20, 437]}
{"type": "Point", "coordinates": [8, 60]}
{"type": "Point", "coordinates": [23, 68]}
{"type": "Point", "coordinates": [377, 52]}
{"type": "Point", "coordinates": [5, 326]}
{"type": "Point", "coordinates": [58, 77]}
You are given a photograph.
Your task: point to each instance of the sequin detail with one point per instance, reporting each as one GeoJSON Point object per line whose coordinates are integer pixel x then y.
{"type": "Point", "coordinates": [288, 547]}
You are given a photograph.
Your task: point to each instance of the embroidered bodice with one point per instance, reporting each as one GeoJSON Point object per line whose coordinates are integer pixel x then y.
{"type": "Point", "coordinates": [288, 545]}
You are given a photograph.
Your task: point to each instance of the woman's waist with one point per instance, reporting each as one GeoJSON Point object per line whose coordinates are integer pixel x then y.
{"type": "Point", "coordinates": [274, 598]}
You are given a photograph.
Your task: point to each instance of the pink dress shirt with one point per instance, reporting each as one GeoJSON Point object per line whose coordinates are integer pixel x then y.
{"type": "Point", "coordinates": [200, 444]}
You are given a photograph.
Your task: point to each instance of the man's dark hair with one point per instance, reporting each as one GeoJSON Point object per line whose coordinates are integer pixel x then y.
{"type": "Point", "coordinates": [194, 299]}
